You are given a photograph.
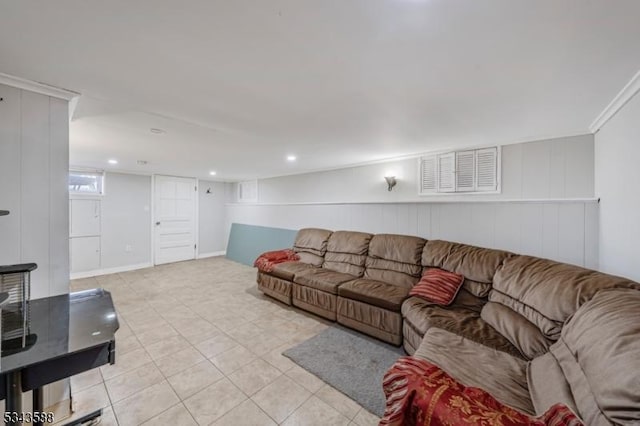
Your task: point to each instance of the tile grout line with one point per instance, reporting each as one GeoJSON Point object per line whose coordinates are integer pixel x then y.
{"type": "Point", "coordinates": [284, 313]}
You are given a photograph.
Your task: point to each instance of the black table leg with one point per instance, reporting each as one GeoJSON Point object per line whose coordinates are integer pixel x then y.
{"type": "Point", "coordinates": [13, 396]}
{"type": "Point", "coordinates": [38, 404]}
{"type": "Point", "coordinates": [84, 419]}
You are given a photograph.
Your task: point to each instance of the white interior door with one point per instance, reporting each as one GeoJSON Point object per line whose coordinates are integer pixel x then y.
{"type": "Point", "coordinates": [175, 219]}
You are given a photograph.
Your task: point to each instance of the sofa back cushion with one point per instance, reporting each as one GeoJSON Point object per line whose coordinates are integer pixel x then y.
{"type": "Point", "coordinates": [547, 292]}
{"type": "Point", "coordinates": [599, 353]}
{"type": "Point", "coordinates": [311, 245]}
{"type": "Point", "coordinates": [347, 252]}
{"type": "Point", "coordinates": [477, 264]}
{"type": "Point", "coordinates": [517, 329]}
{"type": "Point", "coordinates": [394, 259]}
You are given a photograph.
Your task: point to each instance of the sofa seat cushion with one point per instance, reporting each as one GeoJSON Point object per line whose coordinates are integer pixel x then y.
{"type": "Point", "coordinates": [288, 270]}
{"type": "Point", "coordinates": [473, 364]}
{"type": "Point", "coordinates": [375, 293]}
{"type": "Point", "coordinates": [422, 315]}
{"type": "Point", "coordinates": [322, 279]}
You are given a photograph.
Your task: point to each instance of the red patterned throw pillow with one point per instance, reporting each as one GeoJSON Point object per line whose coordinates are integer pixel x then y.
{"type": "Point", "coordinates": [438, 286]}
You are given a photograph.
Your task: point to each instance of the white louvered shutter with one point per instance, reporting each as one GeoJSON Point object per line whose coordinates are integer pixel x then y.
{"type": "Point", "coordinates": [487, 169]}
{"type": "Point", "coordinates": [446, 172]}
{"type": "Point", "coordinates": [428, 176]}
{"type": "Point", "coordinates": [248, 191]}
{"type": "Point", "coordinates": [465, 171]}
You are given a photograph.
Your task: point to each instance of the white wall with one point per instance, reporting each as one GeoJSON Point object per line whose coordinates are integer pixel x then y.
{"type": "Point", "coordinates": [34, 161]}
{"type": "Point", "coordinates": [547, 169]}
{"type": "Point", "coordinates": [126, 220]}
{"type": "Point", "coordinates": [561, 224]}
{"type": "Point", "coordinates": [212, 238]}
{"type": "Point", "coordinates": [617, 174]}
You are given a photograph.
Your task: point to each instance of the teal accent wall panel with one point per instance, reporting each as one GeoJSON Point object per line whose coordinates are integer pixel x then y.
{"type": "Point", "coordinates": [246, 242]}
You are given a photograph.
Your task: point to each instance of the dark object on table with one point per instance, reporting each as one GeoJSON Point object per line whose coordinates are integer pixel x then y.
{"type": "Point", "coordinates": [15, 281]}
{"type": "Point", "coordinates": [73, 333]}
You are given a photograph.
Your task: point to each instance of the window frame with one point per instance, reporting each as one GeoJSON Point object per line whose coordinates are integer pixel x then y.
{"type": "Point", "coordinates": [437, 154]}
{"type": "Point", "coordinates": [82, 194]}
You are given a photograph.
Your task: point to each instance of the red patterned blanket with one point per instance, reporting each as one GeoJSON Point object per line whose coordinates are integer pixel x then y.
{"type": "Point", "coordinates": [267, 260]}
{"type": "Point", "coordinates": [421, 394]}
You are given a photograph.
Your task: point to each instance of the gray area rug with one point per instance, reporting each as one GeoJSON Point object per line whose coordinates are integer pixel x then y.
{"type": "Point", "coordinates": [350, 362]}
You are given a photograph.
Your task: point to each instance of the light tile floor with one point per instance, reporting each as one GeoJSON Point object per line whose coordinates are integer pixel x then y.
{"type": "Point", "coordinates": [199, 344]}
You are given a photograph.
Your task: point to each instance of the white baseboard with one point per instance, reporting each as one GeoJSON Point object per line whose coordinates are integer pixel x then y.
{"type": "Point", "coordinates": [212, 254]}
{"type": "Point", "coordinates": [96, 272]}
{"type": "Point", "coordinates": [106, 271]}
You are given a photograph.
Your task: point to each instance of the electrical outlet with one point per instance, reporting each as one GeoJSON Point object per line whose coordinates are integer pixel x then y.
{"type": "Point", "coordinates": [128, 248]}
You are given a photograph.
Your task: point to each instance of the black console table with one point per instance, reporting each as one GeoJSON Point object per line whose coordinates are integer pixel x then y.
{"type": "Point", "coordinates": [67, 335]}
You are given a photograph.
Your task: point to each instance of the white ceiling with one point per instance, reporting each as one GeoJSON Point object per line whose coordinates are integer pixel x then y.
{"type": "Point", "coordinates": [238, 85]}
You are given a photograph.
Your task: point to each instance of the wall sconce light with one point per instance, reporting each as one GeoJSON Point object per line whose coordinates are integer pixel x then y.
{"type": "Point", "coordinates": [391, 182]}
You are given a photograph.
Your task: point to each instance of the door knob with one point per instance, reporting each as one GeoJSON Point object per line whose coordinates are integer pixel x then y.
{"type": "Point", "coordinates": [157, 223]}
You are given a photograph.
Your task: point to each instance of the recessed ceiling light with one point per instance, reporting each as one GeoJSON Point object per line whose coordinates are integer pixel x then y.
{"type": "Point", "coordinates": [291, 158]}
{"type": "Point", "coordinates": [157, 131]}
{"type": "Point", "coordinates": [113, 161]}
{"type": "Point", "coordinates": [212, 173]}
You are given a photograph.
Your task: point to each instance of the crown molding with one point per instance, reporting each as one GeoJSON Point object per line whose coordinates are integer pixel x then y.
{"type": "Point", "coordinates": [34, 86]}
{"type": "Point", "coordinates": [624, 96]}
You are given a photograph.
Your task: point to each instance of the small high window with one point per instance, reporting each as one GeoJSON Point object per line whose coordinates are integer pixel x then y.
{"type": "Point", "coordinates": [468, 171]}
{"type": "Point", "coordinates": [248, 191]}
{"type": "Point", "coordinates": [90, 183]}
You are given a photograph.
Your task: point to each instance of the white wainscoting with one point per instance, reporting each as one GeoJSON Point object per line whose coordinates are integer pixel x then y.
{"type": "Point", "coordinates": [566, 231]}
{"type": "Point", "coordinates": [34, 167]}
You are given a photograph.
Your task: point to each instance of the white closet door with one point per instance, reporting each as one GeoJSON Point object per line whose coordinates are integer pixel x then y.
{"type": "Point", "coordinates": [85, 254]}
{"type": "Point", "coordinates": [85, 218]}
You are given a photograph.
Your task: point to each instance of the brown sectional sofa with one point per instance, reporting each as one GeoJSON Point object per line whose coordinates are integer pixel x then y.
{"type": "Point", "coordinates": [532, 332]}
